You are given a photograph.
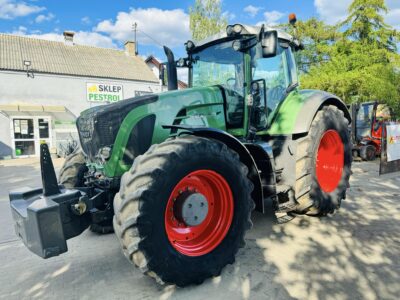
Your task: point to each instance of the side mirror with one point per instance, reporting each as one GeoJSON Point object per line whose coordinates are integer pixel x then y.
{"type": "Point", "coordinates": [269, 43]}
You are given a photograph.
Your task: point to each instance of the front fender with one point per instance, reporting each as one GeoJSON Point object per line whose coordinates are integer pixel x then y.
{"type": "Point", "coordinates": [234, 144]}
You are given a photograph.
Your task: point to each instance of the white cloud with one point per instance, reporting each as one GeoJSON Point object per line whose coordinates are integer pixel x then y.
{"type": "Point", "coordinates": [335, 11]}
{"type": "Point", "coordinates": [94, 39]}
{"type": "Point", "coordinates": [229, 15]}
{"type": "Point", "coordinates": [393, 15]}
{"type": "Point", "coordinates": [252, 10]}
{"type": "Point", "coordinates": [44, 18]}
{"type": "Point", "coordinates": [20, 31]}
{"type": "Point", "coordinates": [271, 18]}
{"type": "Point", "coordinates": [11, 9]}
{"type": "Point", "coordinates": [332, 11]}
{"type": "Point", "coordinates": [81, 37]}
{"type": "Point", "coordinates": [167, 27]}
{"type": "Point", "coordinates": [183, 74]}
{"type": "Point", "coordinates": [86, 20]}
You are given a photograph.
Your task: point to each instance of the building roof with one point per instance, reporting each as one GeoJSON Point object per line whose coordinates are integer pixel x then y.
{"type": "Point", "coordinates": [182, 85]}
{"type": "Point", "coordinates": [151, 59]}
{"type": "Point", "coordinates": [59, 58]}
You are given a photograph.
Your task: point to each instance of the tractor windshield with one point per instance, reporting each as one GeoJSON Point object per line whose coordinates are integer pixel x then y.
{"type": "Point", "coordinates": [219, 64]}
{"type": "Point", "coordinates": [364, 120]}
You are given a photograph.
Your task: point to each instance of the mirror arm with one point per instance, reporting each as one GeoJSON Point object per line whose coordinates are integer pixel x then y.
{"type": "Point", "coordinates": [291, 87]}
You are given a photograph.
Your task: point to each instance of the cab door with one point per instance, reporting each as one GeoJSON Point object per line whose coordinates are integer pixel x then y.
{"type": "Point", "coordinates": [279, 74]}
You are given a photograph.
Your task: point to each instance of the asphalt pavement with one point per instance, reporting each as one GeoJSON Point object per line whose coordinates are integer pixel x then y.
{"type": "Point", "coordinates": [353, 254]}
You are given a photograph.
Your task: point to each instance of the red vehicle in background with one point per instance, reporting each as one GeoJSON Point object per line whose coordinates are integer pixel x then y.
{"type": "Point", "coordinates": [367, 128]}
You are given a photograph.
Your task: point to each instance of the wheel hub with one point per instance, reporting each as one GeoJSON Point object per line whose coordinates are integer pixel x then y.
{"type": "Point", "coordinates": [330, 161]}
{"type": "Point", "coordinates": [192, 209]}
{"type": "Point", "coordinates": [199, 212]}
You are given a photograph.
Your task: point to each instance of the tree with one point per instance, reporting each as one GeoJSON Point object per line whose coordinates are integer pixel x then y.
{"type": "Point", "coordinates": [365, 23]}
{"type": "Point", "coordinates": [362, 63]}
{"type": "Point", "coordinates": [317, 38]}
{"type": "Point", "coordinates": [206, 18]}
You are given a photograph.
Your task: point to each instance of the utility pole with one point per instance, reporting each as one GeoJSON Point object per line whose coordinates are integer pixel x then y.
{"type": "Point", "coordinates": [134, 27]}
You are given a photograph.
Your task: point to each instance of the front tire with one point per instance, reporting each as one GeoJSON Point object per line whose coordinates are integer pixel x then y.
{"type": "Point", "coordinates": [72, 175]}
{"type": "Point", "coordinates": [323, 165]}
{"type": "Point", "coordinates": [153, 221]}
{"type": "Point", "coordinates": [72, 171]}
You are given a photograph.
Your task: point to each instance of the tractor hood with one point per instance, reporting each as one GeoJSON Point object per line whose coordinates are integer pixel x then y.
{"type": "Point", "coordinates": [98, 126]}
{"type": "Point", "coordinates": [138, 121]}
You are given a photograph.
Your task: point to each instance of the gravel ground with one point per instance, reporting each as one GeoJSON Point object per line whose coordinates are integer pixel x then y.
{"type": "Point", "coordinates": [353, 254]}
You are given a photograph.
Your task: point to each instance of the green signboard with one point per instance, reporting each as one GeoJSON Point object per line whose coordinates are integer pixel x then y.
{"type": "Point", "coordinates": [102, 92]}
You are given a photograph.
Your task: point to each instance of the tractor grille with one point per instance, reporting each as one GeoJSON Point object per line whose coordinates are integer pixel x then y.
{"type": "Point", "coordinates": [98, 126]}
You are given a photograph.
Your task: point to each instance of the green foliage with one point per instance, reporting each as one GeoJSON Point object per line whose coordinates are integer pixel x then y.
{"type": "Point", "coordinates": [206, 19]}
{"type": "Point", "coordinates": [366, 23]}
{"type": "Point", "coordinates": [357, 59]}
{"type": "Point", "coordinates": [317, 38]}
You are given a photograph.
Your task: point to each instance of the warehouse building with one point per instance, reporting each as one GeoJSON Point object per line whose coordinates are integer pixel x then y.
{"type": "Point", "coordinates": [44, 85]}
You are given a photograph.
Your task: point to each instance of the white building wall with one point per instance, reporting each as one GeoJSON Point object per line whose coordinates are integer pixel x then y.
{"type": "Point", "coordinates": [5, 137]}
{"type": "Point", "coordinates": [69, 91]}
{"type": "Point", "coordinates": [46, 89]}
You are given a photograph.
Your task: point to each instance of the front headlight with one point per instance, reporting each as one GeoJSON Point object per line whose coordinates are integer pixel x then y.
{"type": "Point", "coordinates": [237, 29]}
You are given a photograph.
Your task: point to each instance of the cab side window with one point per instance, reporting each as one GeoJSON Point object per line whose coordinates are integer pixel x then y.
{"type": "Point", "coordinates": [292, 66]}
{"type": "Point", "coordinates": [276, 75]}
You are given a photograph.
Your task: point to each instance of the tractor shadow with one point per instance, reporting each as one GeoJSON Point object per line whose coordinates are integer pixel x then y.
{"type": "Point", "coordinates": [353, 254]}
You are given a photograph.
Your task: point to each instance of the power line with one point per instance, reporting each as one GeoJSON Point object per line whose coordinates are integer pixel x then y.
{"type": "Point", "coordinates": [135, 29]}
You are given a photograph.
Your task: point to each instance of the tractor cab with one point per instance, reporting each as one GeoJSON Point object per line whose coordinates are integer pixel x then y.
{"type": "Point", "coordinates": [253, 66]}
{"type": "Point", "coordinates": [368, 128]}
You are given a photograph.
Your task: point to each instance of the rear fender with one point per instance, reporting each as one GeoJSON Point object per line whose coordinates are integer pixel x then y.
{"type": "Point", "coordinates": [296, 113]}
{"type": "Point", "coordinates": [312, 105]}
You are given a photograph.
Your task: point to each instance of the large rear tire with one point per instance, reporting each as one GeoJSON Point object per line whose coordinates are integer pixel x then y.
{"type": "Point", "coordinates": [72, 175]}
{"type": "Point", "coordinates": [153, 220]}
{"type": "Point", "coordinates": [323, 165]}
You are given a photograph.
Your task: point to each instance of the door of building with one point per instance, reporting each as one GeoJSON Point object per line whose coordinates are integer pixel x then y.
{"type": "Point", "coordinates": [24, 137]}
{"type": "Point", "coordinates": [28, 133]}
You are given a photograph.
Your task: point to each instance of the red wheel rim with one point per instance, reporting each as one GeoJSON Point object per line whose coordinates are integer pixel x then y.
{"type": "Point", "coordinates": [330, 161]}
{"type": "Point", "coordinates": [203, 238]}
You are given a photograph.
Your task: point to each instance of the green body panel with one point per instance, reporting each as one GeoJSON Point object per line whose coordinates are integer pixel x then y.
{"type": "Point", "coordinates": [204, 107]}
{"type": "Point", "coordinates": [285, 116]}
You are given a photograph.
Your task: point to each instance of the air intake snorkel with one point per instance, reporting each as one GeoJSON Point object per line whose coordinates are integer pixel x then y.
{"type": "Point", "coordinates": [171, 70]}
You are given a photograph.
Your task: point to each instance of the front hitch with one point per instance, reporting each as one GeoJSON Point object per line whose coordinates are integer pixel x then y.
{"type": "Point", "coordinates": [45, 218]}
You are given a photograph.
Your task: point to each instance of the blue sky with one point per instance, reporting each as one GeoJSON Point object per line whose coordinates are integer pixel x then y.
{"type": "Point", "coordinates": [108, 23]}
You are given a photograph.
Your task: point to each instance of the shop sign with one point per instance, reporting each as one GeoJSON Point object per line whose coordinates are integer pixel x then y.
{"type": "Point", "coordinates": [101, 92]}
{"type": "Point", "coordinates": [393, 142]}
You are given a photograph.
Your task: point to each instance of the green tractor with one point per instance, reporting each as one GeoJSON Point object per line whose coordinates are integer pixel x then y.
{"type": "Point", "coordinates": [178, 174]}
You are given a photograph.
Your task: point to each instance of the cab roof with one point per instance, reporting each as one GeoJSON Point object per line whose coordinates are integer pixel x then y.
{"type": "Point", "coordinates": [249, 30]}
